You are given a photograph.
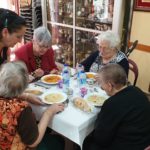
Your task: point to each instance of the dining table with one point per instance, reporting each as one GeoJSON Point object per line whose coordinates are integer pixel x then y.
{"type": "Point", "coordinates": [73, 123]}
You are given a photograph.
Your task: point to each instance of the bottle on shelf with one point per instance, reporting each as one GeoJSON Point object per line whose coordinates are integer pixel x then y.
{"type": "Point", "coordinates": [66, 81]}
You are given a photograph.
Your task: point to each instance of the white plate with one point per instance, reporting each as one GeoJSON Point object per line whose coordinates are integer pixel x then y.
{"type": "Point", "coordinates": [48, 79]}
{"type": "Point", "coordinates": [34, 91]}
{"type": "Point", "coordinates": [95, 99]}
{"type": "Point", "coordinates": [51, 97]}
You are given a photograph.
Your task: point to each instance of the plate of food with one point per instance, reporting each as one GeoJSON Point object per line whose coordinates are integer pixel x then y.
{"type": "Point", "coordinates": [82, 104]}
{"type": "Point", "coordinates": [34, 91]}
{"type": "Point", "coordinates": [51, 79]}
{"type": "Point", "coordinates": [52, 97]}
{"type": "Point", "coordinates": [90, 75]}
{"type": "Point", "coordinates": [95, 99]}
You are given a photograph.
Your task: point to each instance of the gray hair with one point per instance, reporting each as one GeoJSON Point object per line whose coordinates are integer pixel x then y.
{"type": "Point", "coordinates": [115, 74]}
{"type": "Point", "coordinates": [42, 36]}
{"type": "Point", "coordinates": [109, 36]}
{"type": "Point", "coordinates": [13, 79]}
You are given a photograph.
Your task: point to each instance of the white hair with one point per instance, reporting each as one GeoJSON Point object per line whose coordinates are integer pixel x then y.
{"type": "Point", "coordinates": [110, 37]}
{"type": "Point", "coordinates": [13, 79]}
{"type": "Point", "coordinates": [42, 36]}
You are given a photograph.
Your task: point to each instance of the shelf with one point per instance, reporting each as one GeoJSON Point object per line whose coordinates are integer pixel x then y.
{"type": "Point", "coordinates": [74, 25]}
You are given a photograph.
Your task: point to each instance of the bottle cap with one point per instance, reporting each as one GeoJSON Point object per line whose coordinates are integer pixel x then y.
{"type": "Point", "coordinates": [66, 71]}
{"type": "Point", "coordinates": [79, 65]}
{"type": "Point", "coordinates": [82, 71]}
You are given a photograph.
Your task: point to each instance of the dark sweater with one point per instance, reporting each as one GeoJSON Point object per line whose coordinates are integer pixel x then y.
{"type": "Point", "coordinates": [123, 123]}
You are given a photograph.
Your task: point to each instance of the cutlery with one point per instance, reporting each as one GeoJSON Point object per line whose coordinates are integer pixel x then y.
{"type": "Point", "coordinates": [40, 84]}
{"type": "Point", "coordinates": [66, 102]}
{"type": "Point", "coordinates": [95, 89]}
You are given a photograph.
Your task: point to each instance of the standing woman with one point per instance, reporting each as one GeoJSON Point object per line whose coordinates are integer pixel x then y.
{"type": "Point", "coordinates": [12, 29]}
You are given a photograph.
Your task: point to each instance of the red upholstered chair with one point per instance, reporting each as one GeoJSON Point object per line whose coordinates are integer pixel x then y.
{"type": "Point", "coordinates": [133, 67]}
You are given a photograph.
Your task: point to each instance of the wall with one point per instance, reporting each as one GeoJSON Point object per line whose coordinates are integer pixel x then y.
{"type": "Point", "coordinates": [7, 4]}
{"type": "Point", "coordinates": [140, 31]}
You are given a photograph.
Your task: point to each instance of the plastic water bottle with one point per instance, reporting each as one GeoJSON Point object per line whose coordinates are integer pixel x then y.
{"type": "Point", "coordinates": [65, 68]}
{"type": "Point", "coordinates": [66, 81]}
{"type": "Point", "coordinates": [82, 79]}
{"type": "Point", "coordinates": [79, 69]}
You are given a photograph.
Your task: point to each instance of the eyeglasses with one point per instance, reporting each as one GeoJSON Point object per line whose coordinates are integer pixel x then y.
{"type": "Point", "coordinates": [104, 48]}
{"type": "Point", "coordinates": [42, 46]}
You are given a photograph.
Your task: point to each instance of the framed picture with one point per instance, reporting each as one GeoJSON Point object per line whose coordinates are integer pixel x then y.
{"type": "Point", "coordinates": [142, 5]}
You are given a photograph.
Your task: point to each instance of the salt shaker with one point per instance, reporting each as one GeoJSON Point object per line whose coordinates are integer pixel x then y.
{"type": "Point", "coordinates": [83, 91]}
{"type": "Point", "coordinates": [60, 84]}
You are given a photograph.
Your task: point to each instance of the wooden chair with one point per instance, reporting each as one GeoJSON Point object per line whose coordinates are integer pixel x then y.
{"type": "Point", "coordinates": [133, 67]}
{"type": "Point", "coordinates": [131, 48]}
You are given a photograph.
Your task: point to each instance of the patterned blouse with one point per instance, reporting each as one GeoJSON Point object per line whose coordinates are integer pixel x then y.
{"type": "Point", "coordinates": [37, 62]}
{"type": "Point", "coordinates": [10, 111]}
{"type": "Point", "coordinates": [98, 64]}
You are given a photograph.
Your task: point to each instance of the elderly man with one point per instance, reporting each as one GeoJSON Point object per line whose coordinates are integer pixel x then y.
{"type": "Point", "coordinates": [124, 120]}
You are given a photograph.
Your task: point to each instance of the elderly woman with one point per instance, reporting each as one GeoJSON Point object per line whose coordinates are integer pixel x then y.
{"type": "Point", "coordinates": [12, 29]}
{"type": "Point", "coordinates": [107, 53]}
{"type": "Point", "coordinates": [38, 54]}
{"type": "Point", "coordinates": [18, 127]}
{"type": "Point", "coordinates": [124, 120]}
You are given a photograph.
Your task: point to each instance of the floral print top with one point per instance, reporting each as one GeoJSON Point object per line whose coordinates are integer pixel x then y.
{"type": "Point", "coordinates": [10, 110]}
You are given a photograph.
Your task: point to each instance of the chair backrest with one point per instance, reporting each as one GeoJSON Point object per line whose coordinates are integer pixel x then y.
{"type": "Point", "coordinates": [133, 67]}
{"type": "Point", "coordinates": [131, 48]}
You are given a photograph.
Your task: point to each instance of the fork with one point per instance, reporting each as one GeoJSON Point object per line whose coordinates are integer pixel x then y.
{"type": "Point", "coordinates": [66, 102]}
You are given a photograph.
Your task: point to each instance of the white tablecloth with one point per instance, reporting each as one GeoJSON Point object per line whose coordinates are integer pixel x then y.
{"type": "Point", "coordinates": [72, 122]}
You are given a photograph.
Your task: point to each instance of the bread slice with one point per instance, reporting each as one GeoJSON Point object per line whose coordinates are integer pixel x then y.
{"type": "Point", "coordinates": [82, 104]}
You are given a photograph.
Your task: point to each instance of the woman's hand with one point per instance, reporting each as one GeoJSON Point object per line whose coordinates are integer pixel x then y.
{"type": "Point", "coordinates": [54, 71]}
{"type": "Point", "coordinates": [39, 72]}
{"type": "Point", "coordinates": [31, 98]}
{"type": "Point", "coordinates": [31, 78]}
{"type": "Point", "coordinates": [55, 108]}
